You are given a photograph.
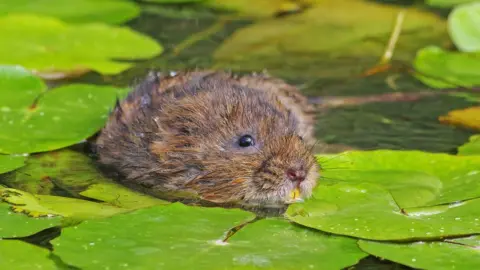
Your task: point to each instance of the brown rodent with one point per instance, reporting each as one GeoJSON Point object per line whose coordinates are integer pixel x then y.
{"type": "Point", "coordinates": [227, 139]}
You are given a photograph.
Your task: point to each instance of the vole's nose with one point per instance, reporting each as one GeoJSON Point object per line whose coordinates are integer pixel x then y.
{"type": "Point", "coordinates": [296, 175]}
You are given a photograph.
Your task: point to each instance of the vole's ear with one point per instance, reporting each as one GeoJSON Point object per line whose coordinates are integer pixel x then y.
{"type": "Point", "coordinates": [144, 90]}
{"type": "Point", "coordinates": [117, 111]}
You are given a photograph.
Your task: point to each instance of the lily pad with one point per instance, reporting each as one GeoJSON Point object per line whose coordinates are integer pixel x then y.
{"type": "Point", "coordinates": [426, 255]}
{"type": "Point", "coordinates": [116, 194]}
{"type": "Point", "coordinates": [414, 178]}
{"type": "Point", "coordinates": [168, 237]}
{"type": "Point", "coordinates": [10, 163]}
{"type": "Point", "coordinates": [15, 254]}
{"type": "Point", "coordinates": [438, 68]}
{"type": "Point", "coordinates": [108, 11]}
{"type": "Point", "coordinates": [36, 120]}
{"type": "Point", "coordinates": [409, 188]}
{"type": "Point", "coordinates": [369, 211]}
{"type": "Point", "coordinates": [48, 45]}
{"type": "Point", "coordinates": [328, 36]}
{"type": "Point", "coordinates": [469, 118]}
{"type": "Point", "coordinates": [470, 148]}
{"type": "Point", "coordinates": [76, 174]}
{"type": "Point", "coordinates": [45, 205]}
{"type": "Point", "coordinates": [19, 225]}
{"type": "Point", "coordinates": [464, 27]}
{"type": "Point", "coordinates": [180, 230]}
{"type": "Point", "coordinates": [277, 244]}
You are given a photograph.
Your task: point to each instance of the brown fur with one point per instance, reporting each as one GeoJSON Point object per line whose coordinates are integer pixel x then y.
{"type": "Point", "coordinates": [179, 133]}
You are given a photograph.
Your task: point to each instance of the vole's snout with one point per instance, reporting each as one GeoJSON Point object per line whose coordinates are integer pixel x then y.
{"type": "Point", "coordinates": [296, 174]}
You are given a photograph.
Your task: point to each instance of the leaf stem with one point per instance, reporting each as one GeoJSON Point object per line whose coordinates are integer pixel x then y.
{"type": "Point", "coordinates": [392, 42]}
{"type": "Point", "coordinates": [190, 41]}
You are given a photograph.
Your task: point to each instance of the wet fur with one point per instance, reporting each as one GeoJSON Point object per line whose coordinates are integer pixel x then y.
{"type": "Point", "coordinates": [179, 133]}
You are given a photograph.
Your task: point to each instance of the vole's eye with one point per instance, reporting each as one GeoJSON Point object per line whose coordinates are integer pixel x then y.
{"type": "Point", "coordinates": [246, 141]}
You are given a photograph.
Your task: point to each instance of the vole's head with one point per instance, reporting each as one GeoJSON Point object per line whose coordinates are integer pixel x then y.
{"type": "Point", "coordinates": [230, 143]}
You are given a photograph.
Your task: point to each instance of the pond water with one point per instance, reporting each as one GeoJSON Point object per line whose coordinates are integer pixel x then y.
{"type": "Point", "coordinates": [377, 125]}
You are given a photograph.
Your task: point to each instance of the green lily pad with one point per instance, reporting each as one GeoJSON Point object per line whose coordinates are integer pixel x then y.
{"type": "Point", "coordinates": [120, 196]}
{"type": "Point", "coordinates": [277, 244]}
{"type": "Point", "coordinates": [168, 237]}
{"type": "Point", "coordinates": [414, 178]}
{"type": "Point", "coordinates": [426, 255]}
{"type": "Point", "coordinates": [36, 120]}
{"type": "Point", "coordinates": [438, 68]}
{"type": "Point", "coordinates": [19, 255]}
{"type": "Point", "coordinates": [189, 237]}
{"type": "Point", "coordinates": [409, 188]}
{"type": "Point", "coordinates": [369, 211]}
{"type": "Point", "coordinates": [328, 40]}
{"type": "Point", "coordinates": [47, 45]}
{"type": "Point", "coordinates": [470, 148]}
{"type": "Point", "coordinates": [108, 11]}
{"type": "Point", "coordinates": [19, 225]}
{"type": "Point", "coordinates": [45, 205]}
{"type": "Point", "coordinates": [76, 174]}
{"type": "Point", "coordinates": [464, 27]}
{"type": "Point", "coordinates": [10, 163]}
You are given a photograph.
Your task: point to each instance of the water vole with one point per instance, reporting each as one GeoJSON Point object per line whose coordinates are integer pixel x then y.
{"type": "Point", "coordinates": [227, 139]}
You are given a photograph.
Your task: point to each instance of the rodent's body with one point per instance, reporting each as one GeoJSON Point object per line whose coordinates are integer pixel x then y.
{"type": "Point", "coordinates": [223, 138]}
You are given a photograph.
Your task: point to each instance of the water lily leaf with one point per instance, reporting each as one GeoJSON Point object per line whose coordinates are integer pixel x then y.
{"type": "Point", "coordinates": [469, 118]}
{"type": "Point", "coordinates": [464, 27]}
{"type": "Point", "coordinates": [120, 196]}
{"type": "Point", "coordinates": [168, 237]}
{"type": "Point", "coordinates": [47, 45]}
{"type": "Point", "coordinates": [263, 8]}
{"type": "Point", "coordinates": [45, 205]}
{"type": "Point", "coordinates": [329, 33]}
{"type": "Point", "coordinates": [446, 3]}
{"type": "Point", "coordinates": [76, 174]}
{"type": "Point", "coordinates": [108, 11]}
{"type": "Point", "coordinates": [10, 163]}
{"type": "Point", "coordinates": [470, 148]}
{"type": "Point", "coordinates": [441, 69]}
{"type": "Point", "coordinates": [26, 203]}
{"type": "Point", "coordinates": [429, 179]}
{"type": "Point", "coordinates": [426, 255]}
{"type": "Point", "coordinates": [409, 188]}
{"type": "Point", "coordinates": [277, 244]}
{"type": "Point", "coordinates": [19, 225]}
{"type": "Point", "coordinates": [15, 254]}
{"type": "Point", "coordinates": [36, 120]}
{"type": "Point", "coordinates": [369, 211]}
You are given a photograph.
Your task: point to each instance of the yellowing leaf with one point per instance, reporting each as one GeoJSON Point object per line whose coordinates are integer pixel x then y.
{"type": "Point", "coordinates": [469, 118]}
{"type": "Point", "coordinates": [262, 8]}
{"type": "Point", "coordinates": [326, 36]}
{"type": "Point", "coordinates": [47, 206]}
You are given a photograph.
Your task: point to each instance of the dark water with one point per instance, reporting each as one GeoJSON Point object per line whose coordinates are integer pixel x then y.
{"type": "Point", "coordinates": [393, 125]}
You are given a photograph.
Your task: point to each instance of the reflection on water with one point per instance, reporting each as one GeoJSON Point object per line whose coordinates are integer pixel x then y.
{"type": "Point", "coordinates": [396, 125]}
